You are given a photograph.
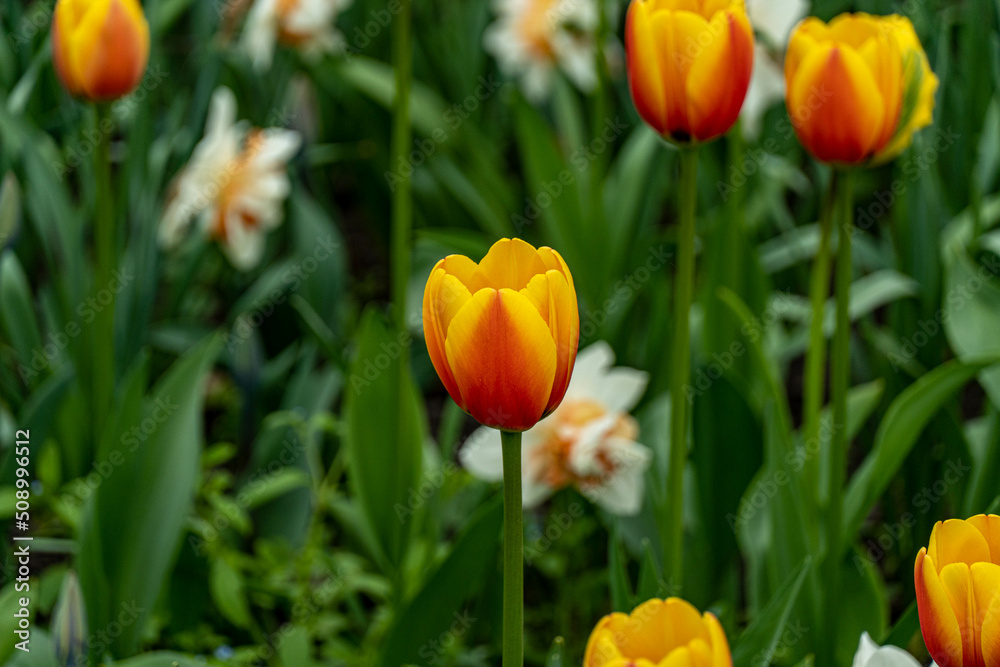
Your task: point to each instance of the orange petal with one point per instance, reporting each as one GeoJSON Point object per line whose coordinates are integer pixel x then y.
{"type": "Point", "coordinates": [644, 78]}
{"type": "Point", "coordinates": [555, 301]}
{"type": "Point", "coordinates": [117, 67]}
{"type": "Point", "coordinates": [835, 105]}
{"type": "Point", "coordinates": [986, 581]}
{"type": "Point", "coordinates": [601, 648]}
{"type": "Point", "coordinates": [503, 359]}
{"type": "Point", "coordinates": [444, 295]}
{"type": "Point", "coordinates": [63, 22]}
{"type": "Point", "coordinates": [937, 619]}
{"type": "Point", "coordinates": [718, 80]}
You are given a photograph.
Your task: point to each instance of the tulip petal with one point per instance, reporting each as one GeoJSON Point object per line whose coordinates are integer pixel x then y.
{"type": "Point", "coordinates": [679, 657]}
{"type": "Point", "coordinates": [644, 78]}
{"type": "Point", "coordinates": [601, 648]}
{"type": "Point", "coordinates": [985, 603]}
{"type": "Point", "coordinates": [510, 264]}
{"type": "Point", "coordinates": [503, 359]}
{"type": "Point", "coordinates": [989, 526]}
{"type": "Point", "coordinates": [110, 48]}
{"type": "Point", "coordinates": [718, 80]}
{"type": "Point", "coordinates": [444, 296]}
{"type": "Point", "coordinates": [720, 645]}
{"type": "Point", "coordinates": [835, 104]}
{"type": "Point", "coordinates": [938, 623]}
{"type": "Point", "coordinates": [885, 61]}
{"type": "Point", "coordinates": [957, 583]}
{"type": "Point", "coordinates": [957, 541]}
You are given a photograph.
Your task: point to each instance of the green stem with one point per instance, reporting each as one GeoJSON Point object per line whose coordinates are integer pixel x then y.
{"type": "Point", "coordinates": [681, 362]}
{"type": "Point", "coordinates": [105, 260]}
{"type": "Point", "coordinates": [841, 377]}
{"type": "Point", "coordinates": [402, 138]}
{"type": "Point", "coordinates": [513, 552]}
{"type": "Point", "coordinates": [819, 289]}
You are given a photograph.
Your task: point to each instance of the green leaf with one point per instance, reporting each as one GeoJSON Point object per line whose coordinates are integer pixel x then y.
{"type": "Point", "coordinates": [226, 586]}
{"type": "Point", "coordinates": [18, 318]}
{"type": "Point", "coordinates": [904, 421]}
{"type": "Point", "coordinates": [436, 609]}
{"type": "Point", "coordinates": [759, 642]}
{"type": "Point", "coordinates": [384, 434]}
{"type": "Point", "coordinates": [10, 209]}
{"type": "Point", "coordinates": [622, 598]}
{"type": "Point", "coordinates": [135, 519]}
{"type": "Point", "coordinates": [906, 627]}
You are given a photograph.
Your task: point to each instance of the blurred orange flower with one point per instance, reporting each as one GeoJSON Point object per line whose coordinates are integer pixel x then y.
{"type": "Point", "coordinates": [689, 65]}
{"type": "Point", "coordinates": [659, 632]}
{"type": "Point", "coordinates": [100, 47]}
{"type": "Point", "coordinates": [957, 578]}
{"type": "Point", "coordinates": [858, 87]}
{"type": "Point", "coordinates": [503, 334]}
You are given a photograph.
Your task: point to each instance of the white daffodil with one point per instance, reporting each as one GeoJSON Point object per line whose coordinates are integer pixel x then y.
{"type": "Point", "coordinates": [587, 442]}
{"type": "Point", "coordinates": [531, 38]}
{"type": "Point", "coordinates": [234, 185]}
{"type": "Point", "coordinates": [773, 21]}
{"type": "Point", "coordinates": [871, 654]}
{"type": "Point", "coordinates": [307, 25]}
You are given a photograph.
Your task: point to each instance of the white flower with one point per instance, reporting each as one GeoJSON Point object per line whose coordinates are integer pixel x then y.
{"type": "Point", "coordinates": [871, 654]}
{"type": "Point", "coordinates": [773, 20]}
{"type": "Point", "coordinates": [530, 38]}
{"type": "Point", "coordinates": [307, 25]}
{"type": "Point", "coordinates": [234, 185]}
{"type": "Point", "coordinates": [587, 442]}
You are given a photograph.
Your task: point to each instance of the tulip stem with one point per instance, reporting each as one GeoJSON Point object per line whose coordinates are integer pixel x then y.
{"type": "Point", "coordinates": [680, 359]}
{"type": "Point", "coordinates": [819, 289]}
{"type": "Point", "coordinates": [402, 138]}
{"type": "Point", "coordinates": [513, 552]}
{"type": "Point", "coordinates": [841, 377]}
{"type": "Point", "coordinates": [104, 259]}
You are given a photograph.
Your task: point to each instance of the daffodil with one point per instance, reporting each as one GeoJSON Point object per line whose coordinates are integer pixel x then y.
{"type": "Point", "coordinates": [588, 442]}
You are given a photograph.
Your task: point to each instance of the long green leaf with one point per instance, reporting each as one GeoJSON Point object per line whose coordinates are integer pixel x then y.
{"type": "Point", "coordinates": [904, 421]}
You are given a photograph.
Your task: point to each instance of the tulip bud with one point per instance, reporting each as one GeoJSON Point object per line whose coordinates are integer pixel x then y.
{"type": "Point", "coordinates": [659, 632]}
{"type": "Point", "coordinates": [957, 579]}
{"type": "Point", "coordinates": [100, 47]}
{"type": "Point", "coordinates": [503, 334]}
{"type": "Point", "coordinates": [689, 65]}
{"type": "Point", "coordinates": [69, 623]}
{"type": "Point", "coordinates": [858, 88]}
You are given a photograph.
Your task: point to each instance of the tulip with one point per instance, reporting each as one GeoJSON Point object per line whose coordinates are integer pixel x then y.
{"type": "Point", "coordinates": [100, 47]}
{"type": "Point", "coordinates": [689, 65]}
{"type": "Point", "coordinates": [503, 334]}
{"type": "Point", "coordinates": [858, 87]}
{"type": "Point", "coordinates": [957, 579]}
{"type": "Point", "coordinates": [659, 632]}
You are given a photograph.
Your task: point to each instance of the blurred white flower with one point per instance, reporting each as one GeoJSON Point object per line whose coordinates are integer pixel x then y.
{"type": "Point", "coordinates": [871, 654]}
{"type": "Point", "coordinates": [234, 185]}
{"type": "Point", "coordinates": [307, 25]}
{"type": "Point", "coordinates": [587, 442]}
{"type": "Point", "coordinates": [531, 38]}
{"type": "Point", "coordinates": [773, 20]}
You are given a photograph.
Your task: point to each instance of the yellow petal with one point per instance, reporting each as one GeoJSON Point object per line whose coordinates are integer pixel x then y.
{"type": "Point", "coordinates": [957, 541]}
{"type": "Point", "coordinates": [509, 264]}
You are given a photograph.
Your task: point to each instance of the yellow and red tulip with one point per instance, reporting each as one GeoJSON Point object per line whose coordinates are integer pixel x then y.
{"type": "Point", "coordinates": [689, 65]}
{"type": "Point", "coordinates": [659, 632]}
{"type": "Point", "coordinates": [858, 87]}
{"type": "Point", "coordinates": [957, 579]}
{"type": "Point", "coordinates": [100, 47]}
{"type": "Point", "coordinates": [502, 334]}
